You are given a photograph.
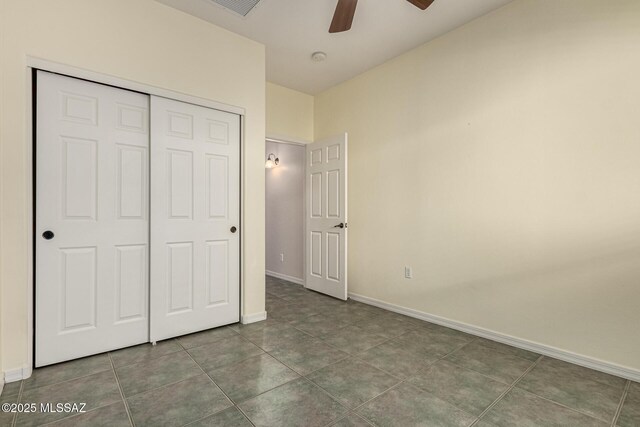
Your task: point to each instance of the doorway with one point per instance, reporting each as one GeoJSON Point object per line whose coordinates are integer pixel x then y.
{"type": "Point", "coordinates": [284, 210]}
{"type": "Point", "coordinates": [306, 214]}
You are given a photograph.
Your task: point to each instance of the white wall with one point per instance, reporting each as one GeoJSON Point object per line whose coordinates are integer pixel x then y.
{"type": "Point", "coordinates": [289, 114]}
{"type": "Point", "coordinates": [285, 211]}
{"type": "Point", "coordinates": [502, 162]}
{"type": "Point", "coordinates": [142, 41]}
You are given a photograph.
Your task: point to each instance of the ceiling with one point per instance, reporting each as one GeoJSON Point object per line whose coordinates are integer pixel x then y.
{"type": "Point", "coordinates": [292, 30]}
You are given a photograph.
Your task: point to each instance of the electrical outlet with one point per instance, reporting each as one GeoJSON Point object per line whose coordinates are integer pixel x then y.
{"type": "Point", "coordinates": [281, 257]}
{"type": "Point", "coordinates": [408, 273]}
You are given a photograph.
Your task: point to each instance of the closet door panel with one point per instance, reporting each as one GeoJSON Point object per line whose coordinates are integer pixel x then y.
{"type": "Point", "coordinates": [195, 213]}
{"type": "Point", "coordinates": [92, 197]}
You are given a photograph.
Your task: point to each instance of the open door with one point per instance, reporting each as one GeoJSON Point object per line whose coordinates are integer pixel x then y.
{"type": "Point", "coordinates": [326, 216]}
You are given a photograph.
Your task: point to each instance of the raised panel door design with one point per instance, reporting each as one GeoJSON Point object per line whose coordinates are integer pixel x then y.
{"type": "Point", "coordinates": [180, 274]}
{"type": "Point", "coordinates": [316, 195]}
{"type": "Point", "coordinates": [92, 192]}
{"type": "Point", "coordinates": [333, 153]}
{"type": "Point", "coordinates": [333, 256]}
{"type": "Point", "coordinates": [198, 207]}
{"type": "Point", "coordinates": [316, 157]}
{"type": "Point", "coordinates": [132, 118]}
{"type": "Point", "coordinates": [315, 253]}
{"type": "Point", "coordinates": [333, 194]}
{"type": "Point", "coordinates": [217, 186]}
{"type": "Point", "coordinates": [217, 253]}
{"type": "Point", "coordinates": [180, 125]}
{"type": "Point", "coordinates": [132, 182]}
{"type": "Point", "coordinates": [78, 108]}
{"type": "Point", "coordinates": [80, 163]}
{"type": "Point", "coordinates": [131, 285]}
{"type": "Point", "coordinates": [78, 289]}
{"type": "Point", "coordinates": [180, 170]}
{"type": "Point", "coordinates": [218, 131]}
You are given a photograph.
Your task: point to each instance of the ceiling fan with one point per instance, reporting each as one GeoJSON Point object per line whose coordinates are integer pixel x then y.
{"type": "Point", "coordinates": [343, 16]}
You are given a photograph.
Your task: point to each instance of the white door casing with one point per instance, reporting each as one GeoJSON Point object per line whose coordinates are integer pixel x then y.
{"type": "Point", "coordinates": [92, 193]}
{"type": "Point", "coordinates": [326, 210]}
{"type": "Point", "coordinates": [195, 202]}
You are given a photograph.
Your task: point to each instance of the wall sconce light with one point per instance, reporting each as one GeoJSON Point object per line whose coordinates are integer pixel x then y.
{"type": "Point", "coordinates": [272, 161]}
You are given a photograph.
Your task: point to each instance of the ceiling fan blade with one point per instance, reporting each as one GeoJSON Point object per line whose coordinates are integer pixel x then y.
{"type": "Point", "coordinates": [343, 16]}
{"type": "Point", "coordinates": [422, 4]}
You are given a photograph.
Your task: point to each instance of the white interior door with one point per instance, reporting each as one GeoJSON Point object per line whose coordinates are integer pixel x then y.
{"type": "Point", "coordinates": [195, 213]}
{"type": "Point", "coordinates": [91, 218]}
{"type": "Point", "coordinates": [326, 216]}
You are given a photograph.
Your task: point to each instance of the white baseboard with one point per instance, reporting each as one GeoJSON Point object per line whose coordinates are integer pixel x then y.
{"type": "Point", "coordinates": [253, 318]}
{"type": "Point", "coordinates": [13, 375]}
{"type": "Point", "coordinates": [556, 353]}
{"type": "Point", "coordinates": [285, 277]}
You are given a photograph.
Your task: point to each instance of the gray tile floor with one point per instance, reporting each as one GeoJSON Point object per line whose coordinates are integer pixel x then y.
{"type": "Point", "coordinates": [319, 362]}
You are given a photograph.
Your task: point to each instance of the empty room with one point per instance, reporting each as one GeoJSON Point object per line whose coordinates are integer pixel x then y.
{"type": "Point", "coordinates": [320, 213]}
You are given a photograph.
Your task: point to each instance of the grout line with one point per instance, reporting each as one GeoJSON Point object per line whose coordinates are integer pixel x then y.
{"type": "Point", "coordinates": [622, 400]}
{"type": "Point", "coordinates": [15, 416]}
{"type": "Point", "coordinates": [162, 386]}
{"type": "Point", "coordinates": [147, 360]}
{"type": "Point", "coordinates": [246, 417]}
{"type": "Point", "coordinates": [126, 404]}
{"type": "Point", "coordinates": [233, 403]}
{"type": "Point", "coordinates": [300, 376]}
{"type": "Point", "coordinates": [550, 400]}
{"type": "Point", "coordinates": [563, 405]}
{"type": "Point", "coordinates": [216, 340]}
{"type": "Point", "coordinates": [533, 363]}
{"type": "Point", "coordinates": [346, 415]}
{"type": "Point", "coordinates": [378, 395]}
{"type": "Point", "coordinates": [210, 379]}
{"type": "Point", "coordinates": [515, 383]}
{"type": "Point", "coordinates": [217, 412]}
{"type": "Point", "coordinates": [266, 391]}
{"type": "Point", "coordinates": [69, 379]}
{"type": "Point", "coordinates": [76, 414]}
{"type": "Point", "coordinates": [508, 389]}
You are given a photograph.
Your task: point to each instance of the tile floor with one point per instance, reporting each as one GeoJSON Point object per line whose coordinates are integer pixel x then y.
{"type": "Point", "coordinates": [319, 362]}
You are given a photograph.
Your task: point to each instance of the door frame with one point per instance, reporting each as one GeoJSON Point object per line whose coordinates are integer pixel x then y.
{"type": "Point", "coordinates": [34, 63]}
{"type": "Point", "coordinates": [300, 143]}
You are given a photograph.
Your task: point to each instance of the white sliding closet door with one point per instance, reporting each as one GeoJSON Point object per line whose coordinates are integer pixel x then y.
{"type": "Point", "coordinates": [195, 213]}
{"type": "Point", "coordinates": [91, 218]}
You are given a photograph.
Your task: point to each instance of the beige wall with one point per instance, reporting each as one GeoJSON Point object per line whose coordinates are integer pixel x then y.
{"type": "Point", "coordinates": [142, 41]}
{"type": "Point", "coordinates": [502, 162]}
{"type": "Point", "coordinates": [289, 114]}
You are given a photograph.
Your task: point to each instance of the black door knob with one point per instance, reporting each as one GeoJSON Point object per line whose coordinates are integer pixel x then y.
{"type": "Point", "coordinates": [233, 229]}
{"type": "Point", "coordinates": [48, 235]}
{"type": "Point", "coordinates": [341, 225]}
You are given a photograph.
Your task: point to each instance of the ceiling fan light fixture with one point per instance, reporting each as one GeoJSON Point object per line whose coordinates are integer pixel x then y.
{"type": "Point", "coordinates": [318, 56]}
